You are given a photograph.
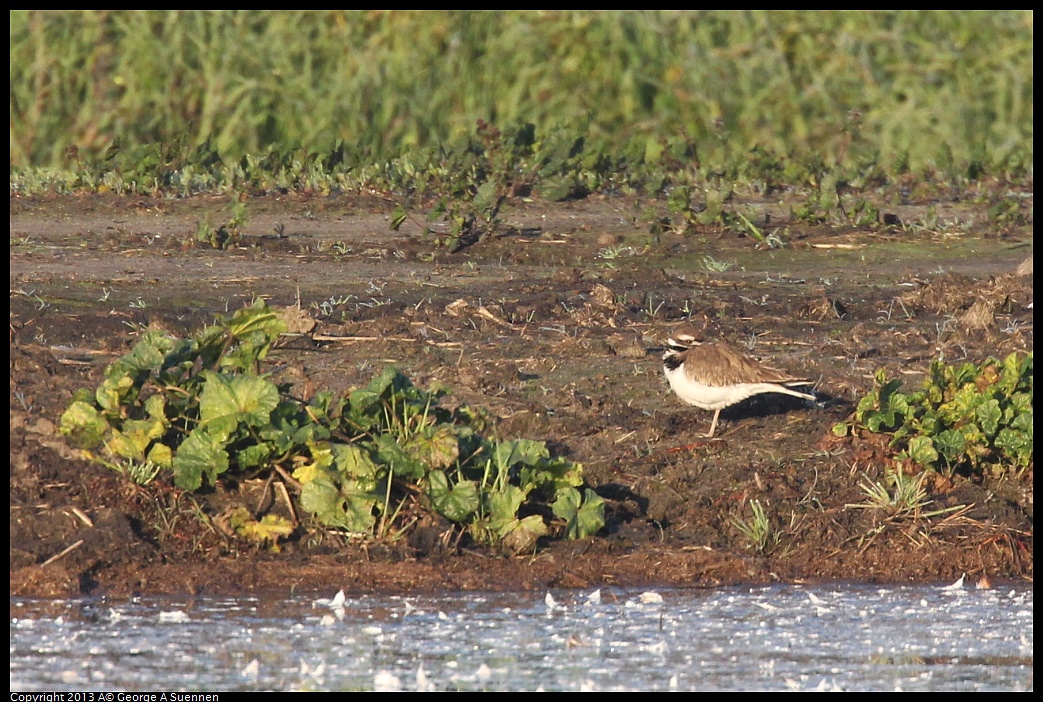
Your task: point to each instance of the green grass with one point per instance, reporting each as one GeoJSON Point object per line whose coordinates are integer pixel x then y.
{"type": "Point", "coordinates": [773, 96]}
{"type": "Point", "coordinates": [758, 531]}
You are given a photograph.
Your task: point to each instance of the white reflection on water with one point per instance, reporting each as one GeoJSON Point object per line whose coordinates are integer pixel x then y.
{"type": "Point", "coordinates": [775, 638]}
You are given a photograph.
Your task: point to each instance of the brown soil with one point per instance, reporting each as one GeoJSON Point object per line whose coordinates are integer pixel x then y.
{"type": "Point", "coordinates": [556, 328]}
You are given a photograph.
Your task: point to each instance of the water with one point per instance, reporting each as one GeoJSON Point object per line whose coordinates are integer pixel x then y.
{"type": "Point", "coordinates": [776, 638]}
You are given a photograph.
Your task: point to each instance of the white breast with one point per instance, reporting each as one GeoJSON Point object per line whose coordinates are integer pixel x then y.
{"type": "Point", "coordinates": [714, 397]}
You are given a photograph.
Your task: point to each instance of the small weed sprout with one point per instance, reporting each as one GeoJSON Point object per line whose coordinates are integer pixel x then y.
{"type": "Point", "coordinates": [653, 311]}
{"type": "Point", "coordinates": [711, 264]}
{"type": "Point", "coordinates": [907, 500]}
{"type": "Point", "coordinates": [328, 307]}
{"type": "Point", "coordinates": [885, 315]}
{"type": "Point", "coordinates": [138, 472]}
{"type": "Point", "coordinates": [944, 328]}
{"type": "Point", "coordinates": [758, 531]}
{"type": "Point", "coordinates": [773, 240]}
{"type": "Point", "coordinates": [613, 252]}
{"type": "Point", "coordinates": [20, 396]}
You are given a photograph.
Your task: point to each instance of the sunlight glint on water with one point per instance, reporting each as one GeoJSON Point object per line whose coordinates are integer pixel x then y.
{"type": "Point", "coordinates": [778, 638]}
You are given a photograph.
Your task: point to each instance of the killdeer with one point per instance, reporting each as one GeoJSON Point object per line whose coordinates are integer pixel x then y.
{"type": "Point", "coordinates": [714, 375]}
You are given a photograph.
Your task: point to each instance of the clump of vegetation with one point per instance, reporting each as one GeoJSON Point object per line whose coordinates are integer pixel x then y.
{"type": "Point", "coordinates": [181, 103]}
{"type": "Point", "coordinates": [911, 91]}
{"type": "Point", "coordinates": [487, 169]}
{"type": "Point", "coordinates": [899, 496]}
{"type": "Point", "coordinates": [973, 419]}
{"type": "Point", "coordinates": [485, 172]}
{"type": "Point", "coordinates": [369, 463]}
{"type": "Point", "coordinates": [227, 235]}
{"type": "Point", "coordinates": [759, 533]}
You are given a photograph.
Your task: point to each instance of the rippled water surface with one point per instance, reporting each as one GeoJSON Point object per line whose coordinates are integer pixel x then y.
{"type": "Point", "coordinates": [776, 638]}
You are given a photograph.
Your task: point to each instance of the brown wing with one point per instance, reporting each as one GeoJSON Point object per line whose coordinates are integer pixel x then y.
{"type": "Point", "coordinates": [722, 364]}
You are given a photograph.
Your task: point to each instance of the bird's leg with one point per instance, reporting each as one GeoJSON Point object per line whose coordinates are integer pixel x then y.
{"type": "Point", "coordinates": [713, 425]}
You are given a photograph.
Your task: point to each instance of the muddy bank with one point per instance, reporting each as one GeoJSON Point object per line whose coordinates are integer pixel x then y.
{"type": "Point", "coordinates": [555, 328]}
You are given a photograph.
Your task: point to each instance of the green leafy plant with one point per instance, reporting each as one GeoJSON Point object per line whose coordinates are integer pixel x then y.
{"type": "Point", "coordinates": [226, 235]}
{"type": "Point", "coordinates": [200, 408]}
{"type": "Point", "coordinates": [268, 530]}
{"type": "Point", "coordinates": [474, 179]}
{"type": "Point", "coordinates": [974, 418]}
{"type": "Point", "coordinates": [489, 168]}
{"type": "Point", "coordinates": [405, 447]}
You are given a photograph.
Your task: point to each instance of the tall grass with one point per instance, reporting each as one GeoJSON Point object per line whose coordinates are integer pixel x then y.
{"type": "Point", "coordinates": [908, 90]}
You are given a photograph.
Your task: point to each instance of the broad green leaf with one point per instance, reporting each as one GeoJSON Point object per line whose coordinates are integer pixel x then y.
{"type": "Point", "coordinates": [155, 407]}
{"type": "Point", "coordinates": [899, 403]}
{"type": "Point", "coordinates": [257, 317]}
{"type": "Point", "coordinates": [391, 454]}
{"type": "Point", "coordinates": [456, 503]}
{"type": "Point", "coordinates": [881, 421]}
{"type": "Point", "coordinates": [342, 507]}
{"type": "Point", "coordinates": [434, 446]}
{"type": "Point", "coordinates": [307, 472]}
{"type": "Point", "coordinates": [888, 389]}
{"type": "Point", "coordinates": [503, 505]}
{"type": "Point", "coordinates": [161, 455]}
{"type": "Point", "coordinates": [591, 516]}
{"type": "Point", "coordinates": [1025, 381]}
{"type": "Point", "coordinates": [556, 188]}
{"type": "Point", "coordinates": [1023, 422]}
{"type": "Point", "coordinates": [147, 355]}
{"type": "Point", "coordinates": [921, 449]}
{"type": "Point", "coordinates": [962, 406]}
{"type": "Point", "coordinates": [928, 423]}
{"type": "Point", "coordinates": [525, 451]}
{"type": "Point", "coordinates": [951, 445]}
{"type": "Point", "coordinates": [485, 198]}
{"type": "Point", "coordinates": [867, 404]}
{"type": "Point", "coordinates": [398, 217]}
{"type": "Point", "coordinates": [355, 464]}
{"type": "Point", "coordinates": [115, 392]}
{"type": "Point", "coordinates": [523, 534]}
{"type": "Point", "coordinates": [134, 438]}
{"type": "Point", "coordinates": [988, 415]}
{"type": "Point", "coordinates": [253, 457]}
{"type": "Point", "coordinates": [290, 428]}
{"type": "Point", "coordinates": [322, 459]}
{"type": "Point", "coordinates": [269, 529]}
{"type": "Point", "coordinates": [552, 475]}
{"type": "Point", "coordinates": [583, 516]}
{"type": "Point", "coordinates": [364, 400]}
{"type": "Point", "coordinates": [83, 424]}
{"type": "Point", "coordinates": [976, 445]}
{"type": "Point", "coordinates": [254, 329]}
{"type": "Point", "coordinates": [201, 453]}
{"type": "Point", "coordinates": [1010, 374]}
{"type": "Point", "coordinates": [1016, 445]}
{"type": "Point", "coordinates": [228, 400]}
